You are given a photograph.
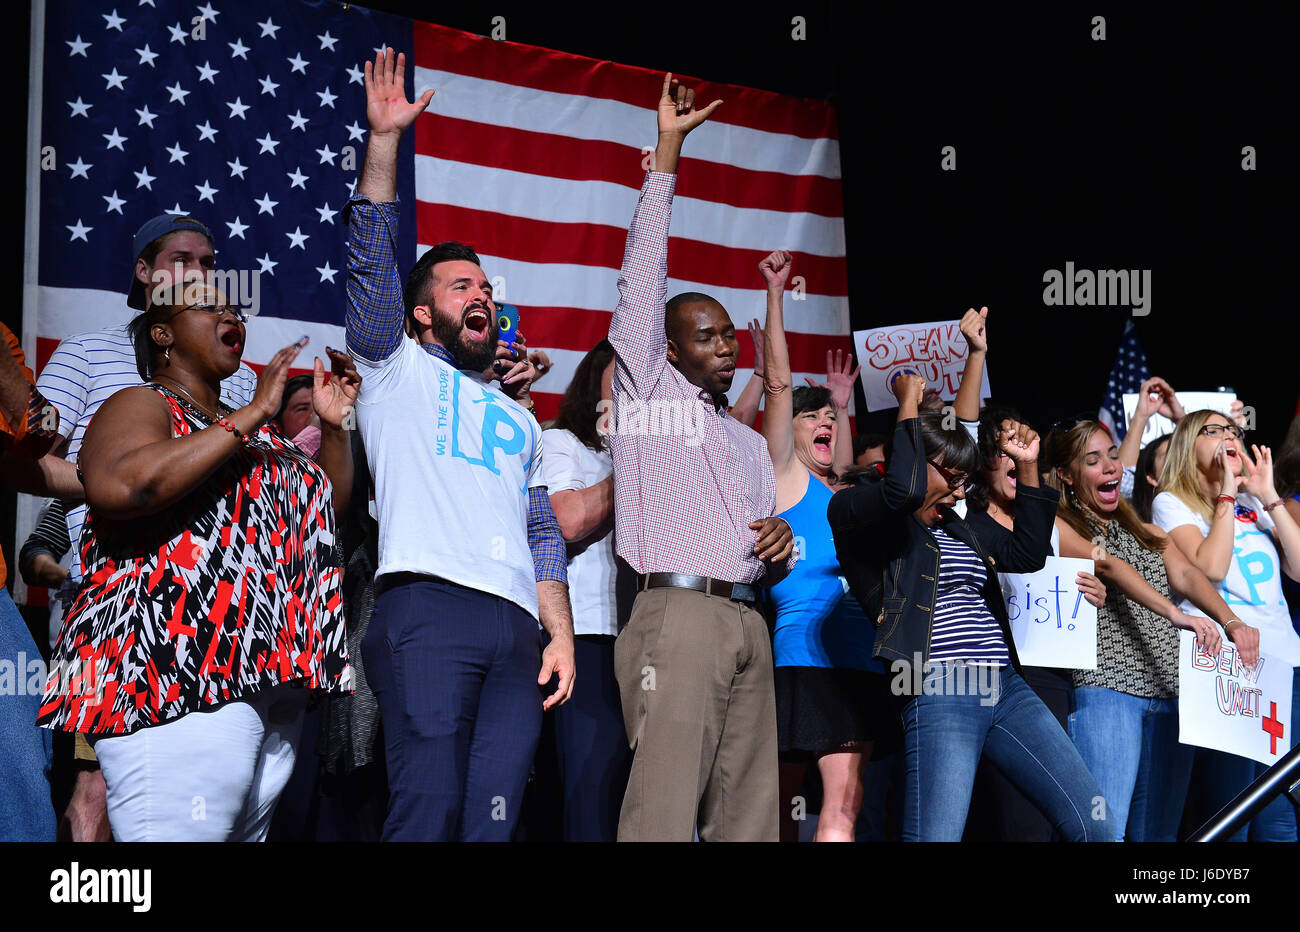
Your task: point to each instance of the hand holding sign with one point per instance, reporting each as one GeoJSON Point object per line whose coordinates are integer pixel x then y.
{"type": "Point", "coordinates": [1093, 589]}
{"type": "Point", "coordinates": [908, 389]}
{"type": "Point", "coordinates": [1158, 419]}
{"type": "Point", "coordinates": [1246, 640]}
{"type": "Point", "coordinates": [1206, 631]}
{"type": "Point", "coordinates": [1157, 397]}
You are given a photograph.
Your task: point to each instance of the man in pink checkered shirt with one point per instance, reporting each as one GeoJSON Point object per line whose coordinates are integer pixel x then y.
{"type": "Point", "coordinates": [694, 491]}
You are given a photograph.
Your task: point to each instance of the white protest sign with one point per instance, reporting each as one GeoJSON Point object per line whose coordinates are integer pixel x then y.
{"type": "Point", "coordinates": [1158, 425]}
{"type": "Point", "coordinates": [937, 352]}
{"type": "Point", "coordinates": [1052, 624]}
{"type": "Point", "coordinates": [1224, 706]}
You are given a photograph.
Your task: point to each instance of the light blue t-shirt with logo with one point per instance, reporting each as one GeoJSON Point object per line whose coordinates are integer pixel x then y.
{"type": "Point", "coordinates": [1253, 586]}
{"type": "Point", "coordinates": [452, 460]}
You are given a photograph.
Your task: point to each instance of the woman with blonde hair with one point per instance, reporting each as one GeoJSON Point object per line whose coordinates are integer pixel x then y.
{"type": "Point", "coordinates": [1125, 718]}
{"type": "Point", "coordinates": [1223, 512]}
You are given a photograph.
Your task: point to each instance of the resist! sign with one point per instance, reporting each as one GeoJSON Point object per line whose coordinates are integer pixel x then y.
{"type": "Point", "coordinates": [937, 352]}
{"type": "Point", "coordinates": [1052, 624]}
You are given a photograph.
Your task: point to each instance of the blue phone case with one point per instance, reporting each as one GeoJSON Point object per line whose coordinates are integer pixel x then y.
{"type": "Point", "coordinates": [507, 322]}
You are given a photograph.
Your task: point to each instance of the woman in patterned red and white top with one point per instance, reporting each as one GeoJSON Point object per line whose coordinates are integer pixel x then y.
{"type": "Point", "coordinates": [211, 587]}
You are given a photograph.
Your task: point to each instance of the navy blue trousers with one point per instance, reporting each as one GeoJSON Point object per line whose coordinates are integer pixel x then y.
{"type": "Point", "coordinates": [589, 743]}
{"type": "Point", "coordinates": [455, 674]}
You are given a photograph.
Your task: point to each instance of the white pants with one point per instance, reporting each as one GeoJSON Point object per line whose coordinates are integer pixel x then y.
{"type": "Point", "coordinates": [207, 776]}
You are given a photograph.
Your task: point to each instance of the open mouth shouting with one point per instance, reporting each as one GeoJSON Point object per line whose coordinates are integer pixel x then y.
{"type": "Point", "coordinates": [1108, 493]}
{"type": "Point", "coordinates": [231, 338]}
{"type": "Point", "coordinates": [478, 324]}
{"type": "Point", "coordinates": [821, 442]}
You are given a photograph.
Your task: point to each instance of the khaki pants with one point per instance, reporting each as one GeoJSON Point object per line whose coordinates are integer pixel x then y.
{"type": "Point", "coordinates": [695, 678]}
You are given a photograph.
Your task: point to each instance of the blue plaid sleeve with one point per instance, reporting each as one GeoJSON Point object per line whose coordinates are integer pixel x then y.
{"type": "Point", "coordinates": [550, 558]}
{"type": "Point", "coordinates": [374, 286]}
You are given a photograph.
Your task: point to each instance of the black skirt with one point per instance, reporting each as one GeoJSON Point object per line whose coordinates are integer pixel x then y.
{"type": "Point", "coordinates": [821, 709]}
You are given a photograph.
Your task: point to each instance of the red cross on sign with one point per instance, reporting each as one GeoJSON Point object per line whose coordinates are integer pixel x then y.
{"type": "Point", "coordinates": [1274, 728]}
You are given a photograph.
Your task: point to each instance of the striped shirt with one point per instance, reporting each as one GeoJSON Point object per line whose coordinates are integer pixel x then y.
{"type": "Point", "coordinates": [688, 485]}
{"type": "Point", "coordinates": [964, 628]}
{"type": "Point", "coordinates": [83, 372]}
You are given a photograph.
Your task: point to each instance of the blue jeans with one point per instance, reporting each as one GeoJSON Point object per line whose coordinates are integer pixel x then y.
{"type": "Point", "coordinates": [1220, 777]}
{"type": "Point", "coordinates": [946, 733]}
{"type": "Point", "coordinates": [591, 745]}
{"type": "Point", "coordinates": [1131, 746]}
{"type": "Point", "coordinates": [26, 813]}
{"type": "Point", "coordinates": [455, 673]}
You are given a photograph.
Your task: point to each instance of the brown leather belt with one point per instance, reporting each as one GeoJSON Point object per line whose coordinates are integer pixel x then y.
{"type": "Point", "coordinates": [736, 592]}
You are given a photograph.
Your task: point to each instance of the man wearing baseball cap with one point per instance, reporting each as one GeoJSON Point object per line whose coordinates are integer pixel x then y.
{"type": "Point", "coordinates": [154, 242]}
{"type": "Point", "coordinates": [84, 371]}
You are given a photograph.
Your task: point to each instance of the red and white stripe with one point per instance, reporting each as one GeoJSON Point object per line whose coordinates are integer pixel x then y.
{"type": "Point", "coordinates": [534, 158]}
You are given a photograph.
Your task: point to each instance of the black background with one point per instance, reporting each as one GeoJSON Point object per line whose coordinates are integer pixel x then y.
{"type": "Point", "coordinates": [1123, 153]}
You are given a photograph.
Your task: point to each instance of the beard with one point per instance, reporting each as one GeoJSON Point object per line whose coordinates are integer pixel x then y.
{"type": "Point", "coordinates": [468, 355]}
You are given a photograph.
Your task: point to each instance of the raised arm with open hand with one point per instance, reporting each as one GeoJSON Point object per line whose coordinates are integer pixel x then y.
{"type": "Point", "coordinates": [841, 376]}
{"type": "Point", "coordinates": [389, 114]}
{"type": "Point", "coordinates": [1154, 397]}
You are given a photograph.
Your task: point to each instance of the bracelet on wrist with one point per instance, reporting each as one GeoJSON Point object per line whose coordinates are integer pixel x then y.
{"type": "Point", "coordinates": [1280, 501]}
{"type": "Point", "coordinates": [225, 422]}
{"type": "Point", "coordinates": [1224, 497]}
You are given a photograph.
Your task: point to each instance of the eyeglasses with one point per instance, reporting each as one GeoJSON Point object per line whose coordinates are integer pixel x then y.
{"type": "Point", "coordinates": [955, 482]}
{"type": "Point", "coordinates": [216, 310]}
{"type": "Point", "coordinates": [1215, 431]}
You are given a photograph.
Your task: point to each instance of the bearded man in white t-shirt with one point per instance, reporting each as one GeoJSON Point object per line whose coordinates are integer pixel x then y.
{"type": "Point", "coordinates": [470, 554]}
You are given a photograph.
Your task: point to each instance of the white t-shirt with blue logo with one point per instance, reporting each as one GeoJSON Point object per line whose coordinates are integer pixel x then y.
{"type": "Point", "coordinates": [452, 459]}
{"type": "Point", "coordinates": [1253, 586]}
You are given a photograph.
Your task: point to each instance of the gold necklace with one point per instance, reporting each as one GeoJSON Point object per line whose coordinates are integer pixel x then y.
{"type": "Point", "coordinates": [193, 400]}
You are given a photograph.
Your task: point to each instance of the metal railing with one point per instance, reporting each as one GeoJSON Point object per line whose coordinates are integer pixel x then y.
{"type": "Point", "coordinates": [1282, 777]}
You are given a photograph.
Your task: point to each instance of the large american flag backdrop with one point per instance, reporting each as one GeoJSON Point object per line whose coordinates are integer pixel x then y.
{"type": "Point", "coordinates": [251, 117]}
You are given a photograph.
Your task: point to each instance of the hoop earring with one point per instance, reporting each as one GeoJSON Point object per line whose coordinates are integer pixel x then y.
{"type": "Point", "coordinates": [167, 355]}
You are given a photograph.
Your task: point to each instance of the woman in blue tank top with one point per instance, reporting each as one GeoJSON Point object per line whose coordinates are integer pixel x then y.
{"type": "Point", "coordinates": [825, 698]}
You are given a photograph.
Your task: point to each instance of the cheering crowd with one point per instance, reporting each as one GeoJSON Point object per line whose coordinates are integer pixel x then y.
{"type": "Point", "coordinates": [380, 601]}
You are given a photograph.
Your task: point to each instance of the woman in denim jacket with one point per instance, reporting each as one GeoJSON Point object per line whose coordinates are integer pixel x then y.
{"type": "Point", "coordinates": [930, 582]}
